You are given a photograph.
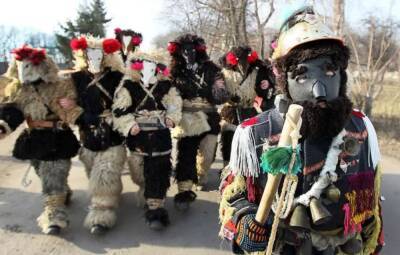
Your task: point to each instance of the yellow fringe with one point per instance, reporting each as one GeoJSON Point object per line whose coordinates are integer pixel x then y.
{"type": "Point", "coordinates": [372, 242]}
{"type": "Point", "coordinates": [225, 210]}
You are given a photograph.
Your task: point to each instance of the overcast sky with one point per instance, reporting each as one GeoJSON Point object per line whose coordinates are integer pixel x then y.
{"type": "Point", "coordinates": [140, 15]}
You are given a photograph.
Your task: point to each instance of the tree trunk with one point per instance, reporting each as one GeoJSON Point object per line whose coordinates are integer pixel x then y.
{"type": "Point", "coordinates": [368, 106]}
{"type": "Point", "coordinates": [338, 17]}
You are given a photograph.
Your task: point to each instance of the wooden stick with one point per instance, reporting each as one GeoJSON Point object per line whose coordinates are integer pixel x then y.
{"type": "Point", "coordinates": [294, 114]}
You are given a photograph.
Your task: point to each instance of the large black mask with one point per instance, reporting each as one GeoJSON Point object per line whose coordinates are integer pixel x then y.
{"type": "Point", "coordinates": [314, 80]}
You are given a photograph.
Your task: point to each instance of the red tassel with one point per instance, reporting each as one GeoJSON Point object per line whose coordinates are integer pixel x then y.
{"type": "Point", "coordinates": [78, 43]}
{"type": "Point", "coordinates": [231, 59]}
{"type": "Point", "coordinates": [251, 190]}
{"type": "Point", "coordinates": [252, 57]}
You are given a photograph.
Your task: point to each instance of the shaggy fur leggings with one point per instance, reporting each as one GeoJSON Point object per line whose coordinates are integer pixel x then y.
{"type": "Point", "coordinates": [195, 156]}
{"type": "Point", "coordinates": [103, 169]}
{"type": "Point", "coordinates": [54, 178]}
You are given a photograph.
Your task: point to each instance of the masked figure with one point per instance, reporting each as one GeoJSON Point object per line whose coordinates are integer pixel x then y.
{"type": "Point", "coordinates": [99, 70]}
{"type": "Point", "coordinates": [335, 207]}
{"type": "Point", "coordinates": [202, 86]}
{"type": "Point", "coordinates": [47, 142]}
{"type": "Point", "coordinates": [146, 105]}
{"type": "Point", "coordinates": [129, 40]}
{"type": "Point", "coordinates": [251, 83]}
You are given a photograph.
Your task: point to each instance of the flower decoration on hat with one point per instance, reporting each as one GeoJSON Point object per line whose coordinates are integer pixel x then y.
{"type": "Point", "coordinates": [137, 65]}
{"type": "Point", "coordinates": [231, 59]}
{"type": "Point", "coordinates": [111, 45]}
{"type": "Point", "coordinates": [252, 57]}
{"type": "Point", "coordinates": [35, 56]}
{"type": "Point", "coordinates": [172, 47]}
{"type": "Point", "coordinates": [78, 43]}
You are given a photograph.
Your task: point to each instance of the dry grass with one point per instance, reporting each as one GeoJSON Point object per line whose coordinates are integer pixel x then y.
{"type": "Point", "coordinates": [386, 117]}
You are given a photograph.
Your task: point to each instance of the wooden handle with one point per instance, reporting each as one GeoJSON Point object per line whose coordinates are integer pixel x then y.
{"type": "Point", "coordinates": [294, 113]}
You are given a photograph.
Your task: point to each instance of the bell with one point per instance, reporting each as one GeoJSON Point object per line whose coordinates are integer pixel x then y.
{"type": "Point", "coordinates": [351, 146]}
{"type": "Point", "coordinates": [352, 246]}
{"type": "Point", "coordinates": [319, 213]}
{"type": "Point", "coordinates": [333, 193]}
{"type": "Point", "coordinates": [300, 219]}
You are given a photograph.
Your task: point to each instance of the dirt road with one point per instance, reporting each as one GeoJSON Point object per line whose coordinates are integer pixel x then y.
{"type": "Point", "coordinates": [192, 233]}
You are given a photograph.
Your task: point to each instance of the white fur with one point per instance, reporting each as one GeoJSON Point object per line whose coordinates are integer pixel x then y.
{"type": "Point", "coordinates": [122, 100]}
{"type": "Point", "coordinates": [372, 142]}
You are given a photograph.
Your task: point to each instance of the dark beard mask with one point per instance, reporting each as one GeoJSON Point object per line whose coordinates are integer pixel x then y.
{"type": "Point", "coordinates": [319, 122]}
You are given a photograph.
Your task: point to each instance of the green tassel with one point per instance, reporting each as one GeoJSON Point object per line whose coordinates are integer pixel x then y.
{"type": "Point", "coordinates": [277, 160]}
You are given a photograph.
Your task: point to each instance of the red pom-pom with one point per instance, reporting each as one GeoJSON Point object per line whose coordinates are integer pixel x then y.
{"type": "Point", "coordinates": [78, 43]}
{"type": "Point", "coordinates": [201, 47]}
{"type": "Point", "coordinates": [231, 59]}
{"type": "Point", "coordinates": [136, 40]}
{"type": "Point", "coordinates": [138, 66]}
{"type": "Point", "coordinates": [111, 45]}
{"type": "Point", "coordinates": [172, 47]}
{"type": "Point", "coordinates": [22, 53]}
{"type": "Point", "coordinates": [37, 56]}
{"type": "Point", "coordinates": [117, 30]}
{"type": "Point", "coordinates": [252, 57]}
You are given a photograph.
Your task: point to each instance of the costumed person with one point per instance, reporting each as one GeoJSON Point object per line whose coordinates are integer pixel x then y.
{"type": "Point", "coordinates": [129, 40]}
{"type": "Point", "coordinates": [335, 207]}
{"type": "Point", "coordinates": [202, 87]}
{"type": "Point", "coordinates": [99, 70]}
{"type": "Point", "coordinates": [48, 142]}
{"type": "Point", "coordinates": [251, 83]}
{"type": "Point", "coordinates": [146, 106]}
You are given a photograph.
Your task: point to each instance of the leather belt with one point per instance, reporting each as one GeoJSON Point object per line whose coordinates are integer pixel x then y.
{"type": "Point", "coordinates": [46, 124]}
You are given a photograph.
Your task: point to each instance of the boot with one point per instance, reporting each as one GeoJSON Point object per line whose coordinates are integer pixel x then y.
{"type": "Point", "coordinates": [53, 218]}
{"type": "Point", "coordinates": [157, 219]}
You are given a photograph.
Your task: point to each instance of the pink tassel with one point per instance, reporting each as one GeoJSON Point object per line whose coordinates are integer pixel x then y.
{"type": "Point", "coordinates": [251, 190]}
{"type": "Point", "coordinates": [349, 226]}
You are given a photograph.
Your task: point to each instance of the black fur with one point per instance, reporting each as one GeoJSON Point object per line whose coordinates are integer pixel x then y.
{"type": "Point", "coordinates": [185, 196]}
{"type": "Point", "coordinates": [159, 214]}
{"type": "Point", "coordinates": [187, 151]}
{"type": "Point", "coordinates": [138, 94]}
{"type": "Point", "coordinates": [226, 144]}
{"type": "Point", "coordinates": [46, 144]}
{"type": "Point", "coordinates": [340, 56]}
{"type": "Point", "coordinates": [150, 141]}
{"type": "Point", "coordinates": [157, 171]}
{"type": "Point", "coordinates": [12, 115]}
{"type": "Point", "coordinates": [329, 121]}
{"type": "Point", "coordinates": [94, 102]}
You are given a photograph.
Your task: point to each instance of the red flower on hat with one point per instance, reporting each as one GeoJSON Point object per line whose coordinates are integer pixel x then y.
{"type": "Point", "coordinates": [231, 59]}
{"type": "Point", "coordinates": [22, 53]}
{"type": "Point", "coordinates": [137, 65]}
{"type": "Point", "coordinates": [252, 57]}
{"type": "Point", "coordinates": [172, 47]}
{"type": "Point", "coordinates": [111, 45]}
{"type": "Point", "coordinates": [136, 40]}
{"type": "Point", "coordinates": [37, 56]}
{"type": "Point", "coordinates": [78, 43]}
{"type": "Point", "coordinates": [117, 30]}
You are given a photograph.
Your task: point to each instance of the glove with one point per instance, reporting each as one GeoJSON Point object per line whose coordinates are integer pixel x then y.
{"type": "Point", "coordinates": [251, 236]}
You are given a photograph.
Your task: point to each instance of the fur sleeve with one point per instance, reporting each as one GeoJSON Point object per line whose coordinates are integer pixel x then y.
{"type": "Point", "coordinates": [66, 89]}
{"type": "Point", "coordinates": [219, 90]}
{"type": "Point", "coordinates": [172, 101]}
{"type": "Point", "coordinates": [122, 122]}
{"type": "Point", "coordinates": [10, 117]}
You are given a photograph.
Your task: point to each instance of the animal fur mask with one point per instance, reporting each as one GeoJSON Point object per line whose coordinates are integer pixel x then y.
{"type": "Point", "coordinates": [96, 54]}
{"type": "Point", "coordinates": [32, 65]}
{"type": "Point", "coordinates": [188, 51]}
{"type": "Point", "coordinates": [128, 39]}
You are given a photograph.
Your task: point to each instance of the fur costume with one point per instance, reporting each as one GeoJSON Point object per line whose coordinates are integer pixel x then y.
{"type": "Point", "coordinates": [342, 156]}
{"type": "Point", "coordinates": [99, 70]}
{"type": "Point", "coordinates": [251, 83]}
{"type": "Point", "coordinates": [48, 142]}
{"type": "Point", "coordinates": [146, 98]}
{"type": "Point", "coordinates": [202, 86]}
{"type": "Point", "coordinates": [129, 40]}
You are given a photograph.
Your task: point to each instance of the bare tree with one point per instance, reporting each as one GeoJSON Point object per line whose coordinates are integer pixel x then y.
{"type": "Point", "coordinates": [261, 24]}
{"type": "Point", "coordinates": [338, 16]}
{"type": "Point", "coordinates": [374, 53]}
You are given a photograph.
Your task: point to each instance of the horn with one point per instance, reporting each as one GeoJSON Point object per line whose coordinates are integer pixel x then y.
{"type": "Point", "coordinates": [300, 219]}
{"type": "Point", "coordinates": [319, 213]}
{"type": "Point", "coordinates": [333, 193]}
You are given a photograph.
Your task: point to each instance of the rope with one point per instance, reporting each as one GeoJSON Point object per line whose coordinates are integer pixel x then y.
{"type": "Point", "coordinates": [25, 182]}
{"type": "Point", "coordinates": [295, 136]}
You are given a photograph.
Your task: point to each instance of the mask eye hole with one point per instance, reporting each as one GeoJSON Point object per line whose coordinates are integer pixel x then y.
{"type": "Point", "coordinates": [330, 73]}
{"type": "Point", "coordinates": [301, 79]}
{"type": "Point", "coordinates": [26, 65]}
